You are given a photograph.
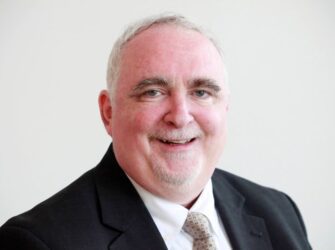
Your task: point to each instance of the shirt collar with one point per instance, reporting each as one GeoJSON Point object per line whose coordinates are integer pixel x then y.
{"type": "Point", "coordinates": [169, 217]}
{"type": "Point", "coordinates": [205, 204]}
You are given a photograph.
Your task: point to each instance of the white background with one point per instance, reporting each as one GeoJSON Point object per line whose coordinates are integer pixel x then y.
{"type": "Point", "coordinates": [280, 55]}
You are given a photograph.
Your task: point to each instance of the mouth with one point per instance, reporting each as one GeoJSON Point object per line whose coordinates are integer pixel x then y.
{"type": "Point", "coordinates": [177, 141]}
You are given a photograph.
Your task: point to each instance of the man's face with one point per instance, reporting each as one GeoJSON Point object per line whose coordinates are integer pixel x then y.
{"type": "Point", "coordinates": [169, 110]}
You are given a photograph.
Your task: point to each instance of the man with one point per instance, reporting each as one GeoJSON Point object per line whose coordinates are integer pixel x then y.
{"type": "Point", "coordinates": [165, 109]}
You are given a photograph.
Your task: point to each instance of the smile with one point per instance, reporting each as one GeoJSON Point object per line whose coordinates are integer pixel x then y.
{"type": "Point", "coordinates": [176, 141]}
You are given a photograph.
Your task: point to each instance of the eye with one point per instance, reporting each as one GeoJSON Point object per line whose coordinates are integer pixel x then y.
{"type": "Point", "coordinates": [201, 93]}
{"type": "Point", "coordinates": [152, 93]}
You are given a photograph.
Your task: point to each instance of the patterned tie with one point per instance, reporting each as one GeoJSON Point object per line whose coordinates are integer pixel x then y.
{"type": "Point", "coordinates": [197, 226]}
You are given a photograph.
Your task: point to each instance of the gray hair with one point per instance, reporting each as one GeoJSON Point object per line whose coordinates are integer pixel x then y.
{"type": "Point", "coordinates": [113, 69]}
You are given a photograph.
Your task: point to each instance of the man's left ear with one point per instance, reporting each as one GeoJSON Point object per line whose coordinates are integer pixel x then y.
{"type": "Point", "coordinates": [106, 110]}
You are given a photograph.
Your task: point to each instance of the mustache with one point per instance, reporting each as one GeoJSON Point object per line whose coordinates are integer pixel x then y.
{"type": "Point", "coordinates": [177, 134]}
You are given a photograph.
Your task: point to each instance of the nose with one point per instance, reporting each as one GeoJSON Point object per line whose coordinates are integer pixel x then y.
{"type": "Point", "coordinates": [178, 114]}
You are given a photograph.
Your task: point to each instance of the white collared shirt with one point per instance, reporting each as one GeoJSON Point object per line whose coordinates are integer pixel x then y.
{"type": "Point", "coordinates": [169, 218]}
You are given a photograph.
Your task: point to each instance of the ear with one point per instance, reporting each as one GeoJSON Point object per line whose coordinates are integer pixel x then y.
{"type": "Point", "coordinates": [106, 110]}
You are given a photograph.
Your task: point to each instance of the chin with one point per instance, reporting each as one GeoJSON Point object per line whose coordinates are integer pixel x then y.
{"type": "Point", "coordinates": [177, 176]}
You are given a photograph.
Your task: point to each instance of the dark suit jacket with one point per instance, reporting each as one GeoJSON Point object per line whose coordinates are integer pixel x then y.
{"type": "Point", "coordinates": [102, 210]}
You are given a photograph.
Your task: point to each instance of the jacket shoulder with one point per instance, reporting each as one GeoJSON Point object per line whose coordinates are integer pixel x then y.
{"type": "Point", "coordinates": [276, 208]}
{"type": "Point", "coordinates": [57, 221]}
{"type": "Point", "coordinates": [249, 189]}
{"type": "Point", "coordinates": [257, 198]}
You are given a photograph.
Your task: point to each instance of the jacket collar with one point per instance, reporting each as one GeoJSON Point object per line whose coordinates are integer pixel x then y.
{"type": "Point", "coordinates": [122, 209]}
{"type": "Point", "coordinates": [244, 231]}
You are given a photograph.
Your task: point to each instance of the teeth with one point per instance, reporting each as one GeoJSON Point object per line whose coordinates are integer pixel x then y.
{"type": "Point", "coordinates": [176, 141]}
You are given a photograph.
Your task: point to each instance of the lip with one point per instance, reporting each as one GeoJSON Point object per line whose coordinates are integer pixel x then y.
{"type": "Point", "coordinates": [176, 144]}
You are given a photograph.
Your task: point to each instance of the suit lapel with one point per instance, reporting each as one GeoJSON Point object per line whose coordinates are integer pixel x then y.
{"type": "Point", "coordinates": [244, 231]}
{"type": "Point", "coordinates": [122, 209]}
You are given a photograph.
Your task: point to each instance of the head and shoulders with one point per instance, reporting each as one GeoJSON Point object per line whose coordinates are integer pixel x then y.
{"type": "Point", "coordinates": [165, 109]}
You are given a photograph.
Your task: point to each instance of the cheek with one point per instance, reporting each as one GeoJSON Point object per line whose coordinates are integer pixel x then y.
{"type": "Point", "coordinates": [213, 122]}
{"type": "Point", "coordinates": [214, 127]}
{"type": "Point", "coordinates": [144, 119]}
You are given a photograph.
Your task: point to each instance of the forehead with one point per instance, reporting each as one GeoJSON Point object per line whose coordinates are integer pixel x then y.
{"type": "Point", "coordinates": [170, 51]}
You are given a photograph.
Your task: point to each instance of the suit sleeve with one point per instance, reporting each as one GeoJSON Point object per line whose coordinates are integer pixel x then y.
{"type": "Point", "coordinates": [17, 238]}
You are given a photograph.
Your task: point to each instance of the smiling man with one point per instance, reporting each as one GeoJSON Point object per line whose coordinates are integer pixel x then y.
{"type": "Point", "coordinates": [168, 109]}
{"type": "Point", "coordinates": [157, 186]}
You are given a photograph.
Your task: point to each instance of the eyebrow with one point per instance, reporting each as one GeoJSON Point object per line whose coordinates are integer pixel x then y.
{"type": "Point", "coordinates": [205, 82]}
{"type": "Point", "coordinates": [150, 82]}
{"type": "Point", "coordinates": [159, 81]}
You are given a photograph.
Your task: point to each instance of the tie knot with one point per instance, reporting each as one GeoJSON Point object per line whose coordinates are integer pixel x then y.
{"type": "Point", "coordinates": [197, 225]}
